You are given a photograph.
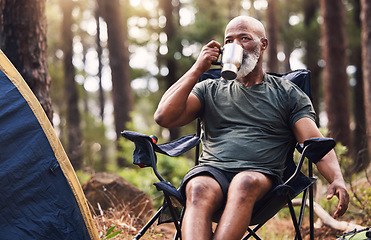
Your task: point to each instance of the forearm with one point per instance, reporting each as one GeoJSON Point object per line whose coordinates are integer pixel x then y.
{"type": "Point", "coordinates": [330, 169]}
{"type": "Point", "coordinates": [177, 106]}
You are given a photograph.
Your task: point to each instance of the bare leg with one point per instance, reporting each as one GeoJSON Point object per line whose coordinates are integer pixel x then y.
{"type": "Point", "coordinates": [245, 189]}
{"type": "Point", "coordinates": [204, 196]}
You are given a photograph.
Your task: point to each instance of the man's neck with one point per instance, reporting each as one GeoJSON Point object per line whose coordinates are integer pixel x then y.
{"type": "Point", "coordinates": [255, 77]}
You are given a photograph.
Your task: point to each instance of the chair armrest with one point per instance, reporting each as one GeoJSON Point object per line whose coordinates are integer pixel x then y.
{"type": "Point", "coordinates": [314, 149]}
{"type": "Point", "coordinates": [146, 146]}
{"type": "Point", "coordinates": [319, 147]}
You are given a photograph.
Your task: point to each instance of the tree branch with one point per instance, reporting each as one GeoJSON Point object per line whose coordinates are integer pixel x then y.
{"type": "Point", "coordinates": [327, 219]}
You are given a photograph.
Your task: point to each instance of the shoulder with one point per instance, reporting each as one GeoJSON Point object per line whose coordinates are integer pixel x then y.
{"type": "Point", "coordinates": [209, 84]}
{"type": "Point", "coordinates": [283, 85]}
{"type": "Point", "coordinates": [278, 82]}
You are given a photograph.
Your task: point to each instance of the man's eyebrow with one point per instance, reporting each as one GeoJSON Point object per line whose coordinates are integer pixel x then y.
{"type": "Point", "coordinates": [239, 35]}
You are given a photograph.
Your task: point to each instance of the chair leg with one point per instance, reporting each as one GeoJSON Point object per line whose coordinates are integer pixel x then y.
{"type": "Point", "coordinates": [252, 232]}
{"type": "Point", "coordinates": [178, 234]}
{"type": "Point", "coordinates": [311, 213]}
{"type": "Point", "coordinates": [302, 210]}
{"type": "Point", "coordinates": [294, 221]}
{"type": "Point", "coordinates": [173, 215]}
{"type": "Point", "coordinates": [149, 224]}
{"type": "Point", "coordinates": [311, 200]}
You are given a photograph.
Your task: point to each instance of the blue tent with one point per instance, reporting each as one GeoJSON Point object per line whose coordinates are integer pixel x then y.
{"type": "Point", "coordinates": [40, 196]}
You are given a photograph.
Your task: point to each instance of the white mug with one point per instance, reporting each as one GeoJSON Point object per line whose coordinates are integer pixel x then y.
{"type": "Point", "coordinates": [231, 60]}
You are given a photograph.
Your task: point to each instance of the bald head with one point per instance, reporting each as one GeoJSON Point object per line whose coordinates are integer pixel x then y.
{"type": "Point", "coordinates": [249, 33]}
{"type": "Point", "coordinates": [247, 22]}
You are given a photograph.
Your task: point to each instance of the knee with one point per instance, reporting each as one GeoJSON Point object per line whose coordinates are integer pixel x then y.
{"type": "Point", "coordinates": [249, 186]}
{"type": "Point", "coordinates": [202, 193]}
{"type": "Point", "coordinates": [246, 182]}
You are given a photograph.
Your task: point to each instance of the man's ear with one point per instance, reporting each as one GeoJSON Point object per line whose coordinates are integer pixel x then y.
{"type": "Point", "coordinates": [264, 42]}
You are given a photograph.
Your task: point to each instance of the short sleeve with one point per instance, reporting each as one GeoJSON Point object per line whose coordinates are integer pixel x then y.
{"type": "Point", "coordinates": [300, 106]}
{"type": "Point", "coordinates": [199, 90]}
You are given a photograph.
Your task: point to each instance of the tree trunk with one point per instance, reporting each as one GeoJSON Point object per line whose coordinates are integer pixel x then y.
{"type": "Point", "coordinates": [366, 66]}
{"type": "Point", "coordinates": [102, 101]}
{"type": "Point", "coordinates": [361, 159]}
{"type": "Point", "coordinates": [335, 77]}
{"type": "Point", "coordinates": [272, 22]}
{"type": "Point", "coordinates": [23, 40]}
{"type": "Point", "coordinates": [119, 62]}
{"type": "Point", "coordinates": [313, 52]}
{"type": "Point", "coordinates": [70, 89]}
{"type": "Point", "coordinates": [100, 65]}
{"type": "Point", "coordinates": [171, 64]}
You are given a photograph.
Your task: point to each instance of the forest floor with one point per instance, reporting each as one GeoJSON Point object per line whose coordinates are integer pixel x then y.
{"type": "Point", "coordinates": [277, 228]}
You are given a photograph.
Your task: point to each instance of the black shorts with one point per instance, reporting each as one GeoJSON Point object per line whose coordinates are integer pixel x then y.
{"type": "Point", "coordinates": [224, 178]}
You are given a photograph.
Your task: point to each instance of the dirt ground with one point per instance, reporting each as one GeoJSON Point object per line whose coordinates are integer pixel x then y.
{"type": "Point", "coordinates": [279, 227]}
{"type": "Point", "coordinates": [275, 229]}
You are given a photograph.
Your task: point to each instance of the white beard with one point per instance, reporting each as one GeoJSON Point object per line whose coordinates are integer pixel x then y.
{"type": "Point", "coordinates": [249, 62]}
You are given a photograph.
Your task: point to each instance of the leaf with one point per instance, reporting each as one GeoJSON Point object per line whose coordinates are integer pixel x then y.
{"type": "Point", "coordinates": [110, 230]}
{"type": "Point", "coordinates": [112, 234]}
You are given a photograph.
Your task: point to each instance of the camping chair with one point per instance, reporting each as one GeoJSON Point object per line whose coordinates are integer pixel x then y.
{"type": "Point", "coordinates": [295, 182]}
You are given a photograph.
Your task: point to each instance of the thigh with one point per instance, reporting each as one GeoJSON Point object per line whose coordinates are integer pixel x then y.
{"type": "Point", "coordinates": [221, 177]}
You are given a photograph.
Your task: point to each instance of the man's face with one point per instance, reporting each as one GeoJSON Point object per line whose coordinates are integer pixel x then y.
{"type": "Point", "coordinates": [249, 33]}
{"type": "Point", "coordinates": [246, 36]}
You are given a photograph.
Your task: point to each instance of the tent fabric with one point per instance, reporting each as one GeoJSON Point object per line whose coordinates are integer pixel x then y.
{"type": "Point", "coordinates": [40, 195]}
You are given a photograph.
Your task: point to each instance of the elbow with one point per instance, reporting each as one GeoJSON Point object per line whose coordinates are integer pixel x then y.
{"type": "Point", "coordinates": [160, 119]}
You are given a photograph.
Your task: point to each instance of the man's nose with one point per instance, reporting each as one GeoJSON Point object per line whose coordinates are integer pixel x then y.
{"type": "Point", "coordinates": [238, 42]}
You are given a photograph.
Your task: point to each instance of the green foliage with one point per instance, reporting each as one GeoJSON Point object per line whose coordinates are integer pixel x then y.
{"type": "Point", "coordinates": [83, 176]}
{"type": "Point", "coordinates": [96, 146]}
{"type": "Point", "coordinates": [110, 233]}
{"type": "Point", "coordinates": [360, 198]}
{"type": "Point", "coordinates": [210, 20]}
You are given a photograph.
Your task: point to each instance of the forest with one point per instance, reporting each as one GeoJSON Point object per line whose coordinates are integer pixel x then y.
{"type": "Point", "coordinates": [99, 67]}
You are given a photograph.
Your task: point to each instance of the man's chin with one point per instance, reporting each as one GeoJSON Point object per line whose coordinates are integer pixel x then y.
{"type": "Point", "coordinates": [243, 73]}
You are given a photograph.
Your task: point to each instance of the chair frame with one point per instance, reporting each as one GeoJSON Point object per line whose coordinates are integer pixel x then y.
{"type": "Point", "coordinates": [310, 148]}
{"type": "Point", "coordinates": [309, 145]}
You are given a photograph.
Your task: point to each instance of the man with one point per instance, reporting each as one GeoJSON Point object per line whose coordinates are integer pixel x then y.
{"type": "Point", "coordinates": [249, 124]}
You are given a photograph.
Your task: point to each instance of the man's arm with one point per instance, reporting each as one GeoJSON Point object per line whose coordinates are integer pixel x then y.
{"type": "Point", "coordinates": [178, 106]}
{"type": "Point", "coordinates": [329, 166]}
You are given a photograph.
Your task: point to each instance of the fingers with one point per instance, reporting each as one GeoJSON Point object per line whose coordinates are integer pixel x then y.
{"type": "Point", "coordinates": [343, 197]}
{"type": "Point", "coordinates": [330, 193]}
{"type": "Point", "coordinates": [209, 54]}
{"type": "Point", "coordinates": [343, 203]}
{"type": "Point", "coordinates": [211, 51]}
{"type": "Point", "coordinates": [214, 44]}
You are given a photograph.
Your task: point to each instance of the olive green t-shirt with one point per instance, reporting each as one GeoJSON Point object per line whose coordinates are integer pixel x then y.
{"type": "Point", "coordinates": [250, 127]}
